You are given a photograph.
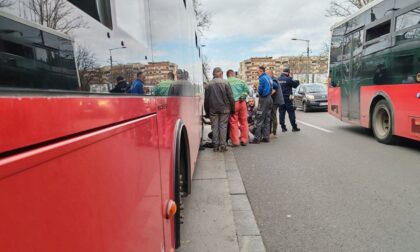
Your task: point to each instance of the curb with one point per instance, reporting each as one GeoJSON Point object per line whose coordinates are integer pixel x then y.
{"type": "Point", "coordinates": [247, 232]}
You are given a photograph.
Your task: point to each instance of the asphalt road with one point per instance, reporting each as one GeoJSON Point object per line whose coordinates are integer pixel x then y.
{"type": "Point", "coordinates": [333, 188]}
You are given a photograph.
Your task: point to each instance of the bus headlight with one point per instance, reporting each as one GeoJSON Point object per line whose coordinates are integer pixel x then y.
{"type": "Point", "coordinates": [310, 97]}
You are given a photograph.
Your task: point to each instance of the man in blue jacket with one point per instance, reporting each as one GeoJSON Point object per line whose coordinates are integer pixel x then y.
{"type": "Point", "coordinates": [265, 103]}
{"type": "Point", "coordinates": [138, 84]}
{"type": "Point", "coordinates": [287, 83]}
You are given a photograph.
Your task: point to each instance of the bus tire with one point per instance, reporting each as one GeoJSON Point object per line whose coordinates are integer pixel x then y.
{"type": "Point", "coordinates": [178, 202]}
{"type": "Point", "coordinates": [382, 123]}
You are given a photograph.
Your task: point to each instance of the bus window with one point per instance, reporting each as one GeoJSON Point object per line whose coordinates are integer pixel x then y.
{"type": "Point", "coordinates": [41, 54]}
{"type": "Point", "coordinates": [357, 42]}
{"type": "Point", "coordinates": [99, 10]}
{"type": "Point", "coordinates": [347, 47]}
{"type": "Point", "coordinates": [404, 71]}
{"type": "Point", "coordinates": [408, 19]}
{"type": "Point", "coordinates": [378, 31]}
{"type": "Point", "coordinates": [16, 49]}
{"type": "Point", "coordinates": [357, 49]}
{"type": "Point", "coordinates": [403, 24]}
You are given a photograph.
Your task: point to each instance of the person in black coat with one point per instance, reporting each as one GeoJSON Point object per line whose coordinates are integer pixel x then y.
{"type": "Point", "coordinates": [121, 87]}
{"type": "Point", "coordinates": [287, 84]}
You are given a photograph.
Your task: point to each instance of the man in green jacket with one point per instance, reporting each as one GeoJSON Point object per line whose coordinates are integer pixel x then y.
{"type": "Point", "coordinates": [162, 88]}
{"type": "Point", "coordinates": [238, 121]}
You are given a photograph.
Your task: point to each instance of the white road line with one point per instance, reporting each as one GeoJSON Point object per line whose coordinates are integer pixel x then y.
{"type": "Point", "coordinates": [315, 127]}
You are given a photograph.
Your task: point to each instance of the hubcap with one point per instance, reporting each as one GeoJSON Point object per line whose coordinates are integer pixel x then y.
{"type": "Point", "coordinates": [382, 123]}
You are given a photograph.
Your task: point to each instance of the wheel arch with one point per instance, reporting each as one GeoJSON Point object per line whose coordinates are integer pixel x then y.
{"type": "Point", "coordinates": [376, 98]}
{"type": "Point", "coordinates": [182, 153]}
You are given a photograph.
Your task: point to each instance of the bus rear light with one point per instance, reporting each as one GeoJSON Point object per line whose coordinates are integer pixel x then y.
{"type": "Point", "coordinates": [415, 125]}
{"type": "Point", "coordinates": [170, 209]}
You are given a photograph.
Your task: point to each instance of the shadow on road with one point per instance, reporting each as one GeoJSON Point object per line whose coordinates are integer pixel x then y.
{"type": "Point", "coordinates": [401, 142]}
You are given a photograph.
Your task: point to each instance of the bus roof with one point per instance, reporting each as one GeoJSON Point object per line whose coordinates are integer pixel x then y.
{"type": "Point", "coordinates": [366, 7]}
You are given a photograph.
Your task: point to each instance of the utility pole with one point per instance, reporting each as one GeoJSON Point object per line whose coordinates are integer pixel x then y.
{"type": "Point", "coordinates": [307, 57]}
{"type": "Point", "coordinates": [110, 59]}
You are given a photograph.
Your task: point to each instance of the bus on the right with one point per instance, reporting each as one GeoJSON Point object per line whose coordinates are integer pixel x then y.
{"type": "Point", "coordinates": [374, 70]}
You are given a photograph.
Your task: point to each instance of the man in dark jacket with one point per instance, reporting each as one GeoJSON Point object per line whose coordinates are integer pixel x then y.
{"type": "Point", "coordinates": [182, 86]}
{"type": "Point", "coordinates": [121, 87]}
{"type": "Point", "coordinates": [218, 104]}
{"type": "Point", "coordinates": [287, 83]}
{"type": "Point", "coordinates": [278, 100]}
{"type": "Point", "coordinates": [265, 102]}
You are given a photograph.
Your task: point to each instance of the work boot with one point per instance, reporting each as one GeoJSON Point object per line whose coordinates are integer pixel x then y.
{"type": "Point", "coordinates": [283, 129]}
{"type": "Point", "coordinates": [295, 129]}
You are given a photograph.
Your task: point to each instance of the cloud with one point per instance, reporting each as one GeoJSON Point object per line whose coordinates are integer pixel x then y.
{"type": "Point", "coordinates": [241, 29]}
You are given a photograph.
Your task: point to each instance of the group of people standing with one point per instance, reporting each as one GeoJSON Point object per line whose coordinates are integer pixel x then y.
{"type": "Point", "coordinates": [137, 87]}
{"type": "Point", "coordinates": [173, 85]}
{"type": "Point", "coordinates": [226, 105]}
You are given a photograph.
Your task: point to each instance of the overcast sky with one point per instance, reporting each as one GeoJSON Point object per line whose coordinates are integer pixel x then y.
{"type": "Point", "coordinates": [241, 29]}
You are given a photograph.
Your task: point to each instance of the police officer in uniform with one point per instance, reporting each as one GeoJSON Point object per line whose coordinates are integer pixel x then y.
{"type": "Point", "coordinates": [287, 83]}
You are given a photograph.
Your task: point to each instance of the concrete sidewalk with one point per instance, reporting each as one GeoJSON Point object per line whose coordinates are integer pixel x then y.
{"type": "Point", "coordinates": [218, 216]}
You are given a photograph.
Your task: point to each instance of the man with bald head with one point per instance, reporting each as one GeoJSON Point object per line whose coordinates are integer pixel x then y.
{"type": "Point", "coordinates": [218, 104]}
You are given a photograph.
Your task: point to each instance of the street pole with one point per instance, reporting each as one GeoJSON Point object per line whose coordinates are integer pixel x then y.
{"type": "Point", "coordinates": [308, 61]}
{"type": "Point", "coordinates": [110, 60]}
{"type": "Point", "coordinates": [307, 56]}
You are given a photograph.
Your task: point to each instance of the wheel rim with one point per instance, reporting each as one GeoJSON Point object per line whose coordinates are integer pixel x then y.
{"type": "Point", "coordinates": [382, 123]}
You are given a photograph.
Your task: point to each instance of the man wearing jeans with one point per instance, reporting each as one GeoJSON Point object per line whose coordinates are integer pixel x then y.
{"type": "Point", "coordinates": [218, 104]}
{"type": "Point", "coordinates": [265, 103]}
{"type": "Point", "coordinates": [238, 121]}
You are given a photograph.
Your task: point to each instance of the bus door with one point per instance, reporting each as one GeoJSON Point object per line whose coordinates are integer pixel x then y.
{"type": "Point", "coordinates": [346, 77]}
{"type": "Point", "coordinates": [350, 89]}
{"type": "Point", "coordinates": [356, 68]}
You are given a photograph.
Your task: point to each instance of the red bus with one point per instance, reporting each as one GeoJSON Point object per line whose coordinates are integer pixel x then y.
{"type": "Point", "coordinates": [375, 69]}
{"type": "Point", "coordinates": [83, 169]}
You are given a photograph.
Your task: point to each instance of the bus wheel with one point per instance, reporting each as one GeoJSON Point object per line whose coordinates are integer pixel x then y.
{"type": "Point", "coordinates": [178, 217]}
{"type": "Point", "coordinates": [180, 192]}
{"type": "Point", "coordinates": [382, 123]}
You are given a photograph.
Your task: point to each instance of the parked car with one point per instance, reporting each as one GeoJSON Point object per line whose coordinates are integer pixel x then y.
{"type": "Point", "coordinates": [311, 96]}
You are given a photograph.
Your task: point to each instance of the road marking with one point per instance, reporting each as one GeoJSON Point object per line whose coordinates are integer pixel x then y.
{"type": "Point", "coordinates": [315, 127]}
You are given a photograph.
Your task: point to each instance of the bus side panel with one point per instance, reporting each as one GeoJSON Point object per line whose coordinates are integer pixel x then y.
{"type": "Point", "coordinates": [334, 101]}
{"type": "Point", "coordinates": [31, 120]}
{"type": "Point", "coordinates": [405, 103]}
{"type": "Point", "coordinates": [97, 192]}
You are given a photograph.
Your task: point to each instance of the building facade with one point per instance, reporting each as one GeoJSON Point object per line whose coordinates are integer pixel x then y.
{"type": "Point", "coordinates": [299, 65]}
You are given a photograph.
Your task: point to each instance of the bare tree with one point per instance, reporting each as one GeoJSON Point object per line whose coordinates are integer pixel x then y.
{"type": "Point", "coordinates": [56, 14]}
{"type": "Point", "coordinates": [203, 17]}
{"type": "Point", "coordinates": [325, 50]}
{"type": "Point", "coordinates": [343, 8]}
{"type": "Point", "coordinates": [86, 65]}
{"type": "Point", "coordinates": [206, 66]}
{"type": "Point", "coordinates": [6, 3]}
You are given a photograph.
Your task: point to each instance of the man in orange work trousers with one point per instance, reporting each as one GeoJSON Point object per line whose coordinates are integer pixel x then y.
{"type": "Point", "coordinates": [239, 120]}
